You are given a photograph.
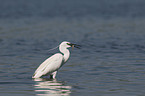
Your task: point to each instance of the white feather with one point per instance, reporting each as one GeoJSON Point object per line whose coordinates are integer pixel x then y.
{"type": "Point", "coordinates": [49, 65]}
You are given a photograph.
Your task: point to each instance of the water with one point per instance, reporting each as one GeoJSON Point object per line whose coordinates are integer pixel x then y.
{"type": "Point", "coordinates": [111, 61]}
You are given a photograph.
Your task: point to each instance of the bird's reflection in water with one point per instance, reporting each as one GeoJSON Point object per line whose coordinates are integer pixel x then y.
{"type": "Point", "coordinates": [47, 87]}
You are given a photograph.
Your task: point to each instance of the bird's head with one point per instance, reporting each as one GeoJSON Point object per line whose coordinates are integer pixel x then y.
{"type": "Point", "coordinates": [66, 44]}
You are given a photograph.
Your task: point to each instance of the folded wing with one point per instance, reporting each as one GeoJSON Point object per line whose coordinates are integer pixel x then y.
{"type": "Point", "coordinates": [50, 65]}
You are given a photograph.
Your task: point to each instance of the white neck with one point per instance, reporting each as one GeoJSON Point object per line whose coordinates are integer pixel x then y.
{"type": "Point", "coordinates": [66, 53]}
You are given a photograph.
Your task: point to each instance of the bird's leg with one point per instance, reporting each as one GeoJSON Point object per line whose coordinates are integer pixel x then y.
{"type": "Point", "coordinates": [53, 75]}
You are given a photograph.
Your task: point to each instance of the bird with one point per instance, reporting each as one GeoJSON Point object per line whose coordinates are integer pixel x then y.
{"type": "Point", "coordinates": [51, 65]}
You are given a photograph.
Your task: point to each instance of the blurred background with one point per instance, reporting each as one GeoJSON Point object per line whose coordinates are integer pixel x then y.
{"type": "Point", "coordinates": [111, 61]}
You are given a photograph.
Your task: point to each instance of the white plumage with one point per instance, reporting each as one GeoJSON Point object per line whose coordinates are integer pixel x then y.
{"type": "Point", "coordinates": [51, 65]}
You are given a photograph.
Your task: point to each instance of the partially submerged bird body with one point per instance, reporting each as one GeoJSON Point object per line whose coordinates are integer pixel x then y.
{"type": "Point", "coordinates": [47, 67]}
{"type": "Point", "coordinates": [51, 65]}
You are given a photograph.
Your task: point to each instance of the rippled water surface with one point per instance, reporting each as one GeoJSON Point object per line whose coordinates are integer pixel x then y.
{"type": "Point", "coordinates": [111, 61]}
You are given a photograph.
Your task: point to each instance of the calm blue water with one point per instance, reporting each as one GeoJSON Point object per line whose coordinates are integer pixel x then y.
{"type": "Point", "coordinates": [111, 61]}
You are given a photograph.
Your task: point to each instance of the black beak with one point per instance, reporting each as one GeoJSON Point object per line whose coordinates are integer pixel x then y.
{"type": "Point", "coordinates": [75, 45]}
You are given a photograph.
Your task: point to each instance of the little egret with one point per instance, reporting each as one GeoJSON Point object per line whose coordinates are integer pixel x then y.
{"type": "Point", "coordinates": [51, 65]}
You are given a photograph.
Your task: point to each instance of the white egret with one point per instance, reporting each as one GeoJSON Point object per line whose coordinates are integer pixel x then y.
{"type": "Point", "coordinates": [51, 65]}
